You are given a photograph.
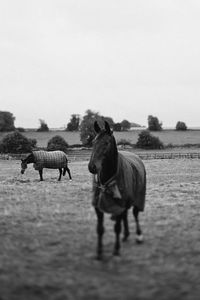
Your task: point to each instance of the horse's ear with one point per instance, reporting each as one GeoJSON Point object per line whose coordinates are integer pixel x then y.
{"type": "Point", "coordinates": [107, 128]}
{"type": "Point", "coordinates": [96, 127]}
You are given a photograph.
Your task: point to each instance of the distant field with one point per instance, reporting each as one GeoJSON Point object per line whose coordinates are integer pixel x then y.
{"type": "Point", "coordinates": [166, 136]}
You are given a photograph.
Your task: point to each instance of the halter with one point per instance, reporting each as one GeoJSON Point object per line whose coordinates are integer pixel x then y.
{"type": "Point", "coordinates": [109, 187]}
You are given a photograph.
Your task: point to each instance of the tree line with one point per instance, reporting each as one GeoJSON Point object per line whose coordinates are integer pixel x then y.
{"type": "Point", "coordinates": [76, 122]}
{"type": "Point", "coordinates": [7, 122]}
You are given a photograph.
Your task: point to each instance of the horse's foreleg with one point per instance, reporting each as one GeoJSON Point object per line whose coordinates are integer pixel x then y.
{"type": "Point", "coordinates": [126, 226]}
{"type": "Point", "coordinates": [100, 232]}
{"type": "Point", "coordinates": [41, 177]}
{"type": "Point", "coordinates": [139, 236]}
{"type": "Point", "coordinates": [60, 174]}
{"type": "Point", "coordinates": [117, 229]}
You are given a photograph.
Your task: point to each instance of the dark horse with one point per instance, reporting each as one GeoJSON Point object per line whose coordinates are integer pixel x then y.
{"type": "Point", "coordinates": [44, 159]}
{"type": "Point", "coordinates": [119, 183]}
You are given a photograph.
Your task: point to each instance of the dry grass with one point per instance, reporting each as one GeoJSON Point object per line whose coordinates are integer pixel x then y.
{"type": "Point", "coordinates": [48, 239]}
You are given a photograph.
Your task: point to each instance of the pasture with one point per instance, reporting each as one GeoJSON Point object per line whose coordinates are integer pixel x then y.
{"type": "Point", "coordinates": [166, 136]}
{"type": "Point", "coordinates": [48, 238]}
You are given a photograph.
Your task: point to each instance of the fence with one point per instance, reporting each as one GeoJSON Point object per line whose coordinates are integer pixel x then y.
{"type": "Point", "coordinates": [78, 155]}
{"type": "Point", "coordinates": [84, 155]}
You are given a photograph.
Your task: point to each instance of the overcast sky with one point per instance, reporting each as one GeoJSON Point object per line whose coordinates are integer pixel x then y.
{"type": "Point", "coordinates": [123, 58]}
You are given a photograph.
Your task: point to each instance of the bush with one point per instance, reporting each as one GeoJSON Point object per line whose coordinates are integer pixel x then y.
{"type": "Point", "coordinates": [57, 143]}
{"type": "Point", "coordinates": [17, 143]}
{"type": "Point", "coordinates": [20, 129]}
{"type": "Point", "coordinates": [148, 141]}
{"type": "Point", "coordinates": [181, 126]}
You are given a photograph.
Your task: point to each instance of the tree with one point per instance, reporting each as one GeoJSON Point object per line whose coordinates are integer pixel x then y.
{"type": "Point", "coordinates": [73, 125]}
{"type": "Point", "coordinates": [87, 133]}
{"type": "Point", "coordinates": [6, 121]}
{"type": "Point", "coordinates": [16, 142]}
{"type": "Point", "coordinates": [154, 124]}
{"type": "Point", "coordinates": [125, 125]}
{"type": "Point", "coordinates": [109, 120]}
{"type": "Point", "coordinates": [117, 127]}
{"type": "Point", "coordinates": [148, 141]}
{"type": "Point", "coordinates": [43, 126]}
{"type": "Point", "coordinates": [181, 126]}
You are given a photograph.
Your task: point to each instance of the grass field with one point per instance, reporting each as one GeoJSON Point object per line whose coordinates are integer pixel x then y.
{"type": "Point", "coordinates": [48, 239]}
{"type": "Point", "coordinates": [166, 136]}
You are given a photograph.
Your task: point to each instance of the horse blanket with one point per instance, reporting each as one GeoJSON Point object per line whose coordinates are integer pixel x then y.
{"type": "Point", "coordinates": [51, 159]}
{"type": "Point", "coordinates": [125, 189]}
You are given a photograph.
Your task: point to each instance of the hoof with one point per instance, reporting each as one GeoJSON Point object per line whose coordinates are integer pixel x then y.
{"type": "Point", "coordinates": [99, 257]}
{"type": "Point", "coordinates": [139, 239]}
{"type": "Point", "coordinates": [116, 258]}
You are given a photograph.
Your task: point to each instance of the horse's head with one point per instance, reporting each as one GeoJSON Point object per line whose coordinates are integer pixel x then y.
{"type": "Point", "coordinates": [104, 150]}
{"type": "Point", "coordinates": [23, 166]}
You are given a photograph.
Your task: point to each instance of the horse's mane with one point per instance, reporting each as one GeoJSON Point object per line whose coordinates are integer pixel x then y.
{"type": "Point", "coordinates": [110, 163]}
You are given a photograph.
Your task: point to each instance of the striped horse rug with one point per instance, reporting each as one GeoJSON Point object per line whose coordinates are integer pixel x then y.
{"type": "Point", "coordinates": [49, 159]}
{"type": "Point", "coordinates": [125, 189]}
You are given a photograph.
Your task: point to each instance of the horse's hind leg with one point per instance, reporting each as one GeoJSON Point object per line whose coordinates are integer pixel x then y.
{"type": "Point", "coordinates": [117, 229]}
{"type": "Point", "coordinates": [100, 232]}
{"type": "Point", "coordinates": [60, 174]}
{"type": "Point", "coordinates": [139, 236]}
{"type": "Point", "coordinates": [126, 226]}
{"type": "Point", "coordinates": [68, 171]}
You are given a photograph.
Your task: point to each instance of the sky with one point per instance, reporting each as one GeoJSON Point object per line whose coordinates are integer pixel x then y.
{"type": "Point", "coordinates": [125, 59]}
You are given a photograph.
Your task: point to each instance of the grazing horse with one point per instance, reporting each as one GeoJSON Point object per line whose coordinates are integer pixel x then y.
{"type": "Point", "coordinates": [119, 183]}
{"type": "Point", "coordinates": [47, 159]}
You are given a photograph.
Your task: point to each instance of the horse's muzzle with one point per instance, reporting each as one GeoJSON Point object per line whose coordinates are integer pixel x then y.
{"type": "Point", "coordinates": [92, 168]}
{"type": "Point", "coordinates": [22, 171]}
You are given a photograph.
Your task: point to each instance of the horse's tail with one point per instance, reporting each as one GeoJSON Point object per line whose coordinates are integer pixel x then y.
{"type": "Point", "coordinates": [142, 193]}
{"type": "Point", "coordinates": [145, 185]}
